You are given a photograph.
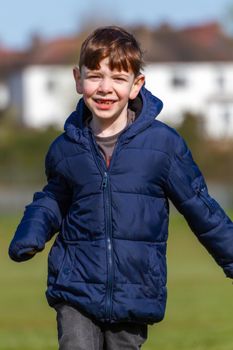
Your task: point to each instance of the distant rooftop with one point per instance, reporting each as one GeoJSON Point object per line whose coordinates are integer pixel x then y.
{"type": "Point", "coordinates": [206, 42]}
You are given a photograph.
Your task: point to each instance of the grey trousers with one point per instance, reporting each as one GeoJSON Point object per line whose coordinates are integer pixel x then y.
{"type": "Point", "coordinates": [76, 331]}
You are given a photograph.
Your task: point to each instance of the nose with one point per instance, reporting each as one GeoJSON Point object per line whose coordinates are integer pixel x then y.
{"type": "Point", "coordinates": [105, 86]}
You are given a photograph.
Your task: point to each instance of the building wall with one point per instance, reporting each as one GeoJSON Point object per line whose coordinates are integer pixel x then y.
{"type": "Point", "coordinates": [46, 95]}
{"type": "Point", "coordinates": [16, 88]}
{"type": "Point", "coordinates": [49, 95]}
{"type": "Point", "coordinates": [201, 88]}
{"type": "Point", "coordinates": [4, 95]}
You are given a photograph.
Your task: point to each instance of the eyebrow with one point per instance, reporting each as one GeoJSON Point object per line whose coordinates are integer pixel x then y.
{"type": "Point", "coordinates": [114, 74]}
{"type": "Point", "coordinates": [90, 72]}
{"type": "Point", "coordinates": [120, 74]}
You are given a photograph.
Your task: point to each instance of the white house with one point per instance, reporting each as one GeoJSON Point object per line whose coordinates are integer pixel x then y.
{"type": "Point", "coordinates": [201, 88]}
{"type": "Point", "coordinates": [4, 96]}
{"type": "Point", "coordinates": [43, 95]}
{"type": "Point", "coordinates": [39, 85]}
{"type": "Point", "coordinates": [41, 88]}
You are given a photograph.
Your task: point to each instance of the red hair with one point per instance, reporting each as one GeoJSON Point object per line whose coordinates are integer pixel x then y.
{"type": "Point", "coordinates": [117, 44]}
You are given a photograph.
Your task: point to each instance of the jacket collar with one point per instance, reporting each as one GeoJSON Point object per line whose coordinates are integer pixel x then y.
{"type": "Point", "coordinates": [75, 127]}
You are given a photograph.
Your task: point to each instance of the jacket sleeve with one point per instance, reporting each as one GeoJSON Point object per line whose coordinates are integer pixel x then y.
{"type": "Point", "coordinates": [42, 218]}
{"type": "Point", "coordinates": [188, 191]}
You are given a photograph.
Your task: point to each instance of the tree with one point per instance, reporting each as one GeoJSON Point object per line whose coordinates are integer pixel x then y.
{"type": "Point", "coordinates": [192, 130]}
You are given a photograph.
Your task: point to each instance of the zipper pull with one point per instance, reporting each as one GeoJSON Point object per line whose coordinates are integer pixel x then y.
{"type": "Point", "coordinates": [201, 191]}
{"type": "Point", "coordinates": [105, 180]}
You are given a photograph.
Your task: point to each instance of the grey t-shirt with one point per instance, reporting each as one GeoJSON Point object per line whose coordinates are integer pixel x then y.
{"type": "Point", "coordinates": [107, 144]}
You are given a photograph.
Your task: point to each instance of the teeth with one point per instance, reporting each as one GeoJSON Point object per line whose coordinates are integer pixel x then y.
{"type": "Point", "coordinates": [106, 102]}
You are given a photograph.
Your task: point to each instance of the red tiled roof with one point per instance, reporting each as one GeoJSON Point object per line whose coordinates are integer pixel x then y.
{"type": "Point", "coordinates": [206, 35]}
{"type": "Point", "coordinates": [205, 42]}
{"type": "Point", "coordinates": [10, 59]}
{"type": "Point", "coordinates": [59, 51]}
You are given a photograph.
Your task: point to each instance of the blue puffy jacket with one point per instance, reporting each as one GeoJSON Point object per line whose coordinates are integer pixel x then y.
{"type": "Point", "coordinates": [109, 258]}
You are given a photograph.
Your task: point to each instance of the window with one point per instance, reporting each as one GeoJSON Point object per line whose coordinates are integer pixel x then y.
{"type": "Point", "coordinates": [220, 81]}
{"type": "Point", "coordinates": [226, 116]}
{"type": "Point", "coordinates": [50, 85]}
{"type": "Point", "coordinates": [178, 81]}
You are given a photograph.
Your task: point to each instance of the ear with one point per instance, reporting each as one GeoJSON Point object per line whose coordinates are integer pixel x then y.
{"type": "Point", "coordinates": [137, 84]}
{"type": "Point", "coordinates": [78, 80]}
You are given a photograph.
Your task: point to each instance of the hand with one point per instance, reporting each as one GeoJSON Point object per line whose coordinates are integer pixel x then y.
{"type": "Point", "coordinates": [32, 252]}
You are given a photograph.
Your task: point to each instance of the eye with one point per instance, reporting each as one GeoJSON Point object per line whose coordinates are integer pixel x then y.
{"type": "Point", "coordinates": [120, 78]}
{"type": "Point", "coordinates": [93, 77]}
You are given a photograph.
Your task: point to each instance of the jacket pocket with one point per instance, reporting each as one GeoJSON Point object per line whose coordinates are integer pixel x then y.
{"type": "Point", "coordinates": [66, 268]}
{"type": "Point", "coordinates": [201, 190]}
{"type": "Point", "coordinates": [56, 257]}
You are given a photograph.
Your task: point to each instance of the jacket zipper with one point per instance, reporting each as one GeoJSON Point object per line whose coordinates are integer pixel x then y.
{"type": "Point", "coordinates": [108, 224]}
{"type": "Point", "coordinates": [108, 218]}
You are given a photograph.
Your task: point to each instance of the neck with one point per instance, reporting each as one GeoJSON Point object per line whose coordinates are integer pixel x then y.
{"type": "Point", "coordinates": [108, 127]}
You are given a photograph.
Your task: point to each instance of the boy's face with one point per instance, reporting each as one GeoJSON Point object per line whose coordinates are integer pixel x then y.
{"type": "Point", "coordinates": [106, 92]}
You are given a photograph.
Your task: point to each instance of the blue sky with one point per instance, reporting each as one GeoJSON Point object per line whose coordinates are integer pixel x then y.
{"type": "Point", "coordinates": [51, 18]}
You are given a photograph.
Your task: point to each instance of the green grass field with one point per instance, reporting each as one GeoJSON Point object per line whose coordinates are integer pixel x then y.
{"type": "Point", "coordinates": [199, 312]}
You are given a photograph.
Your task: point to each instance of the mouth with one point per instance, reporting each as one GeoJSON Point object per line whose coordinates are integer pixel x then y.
{"type": "Point", "coordinates": [104, 102]}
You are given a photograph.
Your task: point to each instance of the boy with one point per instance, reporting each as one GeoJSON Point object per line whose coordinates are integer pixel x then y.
{"type": "Point", "coordinates": [109, 179]}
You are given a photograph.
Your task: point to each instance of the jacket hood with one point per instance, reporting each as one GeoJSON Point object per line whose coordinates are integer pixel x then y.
{"type": "Point", "coordinates": [151, 107]}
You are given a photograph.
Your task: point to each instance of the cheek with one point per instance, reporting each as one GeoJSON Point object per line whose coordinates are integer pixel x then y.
{"type": "Point", "coordinates": [123, 92]}
{"type": "Point", "coordinates": [88, 90]}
